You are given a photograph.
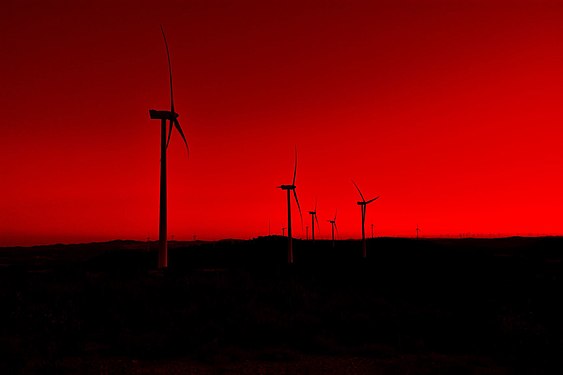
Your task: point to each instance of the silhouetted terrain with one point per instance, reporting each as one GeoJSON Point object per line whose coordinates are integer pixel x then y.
{"type": "Point", "coordinates": [460, 306]}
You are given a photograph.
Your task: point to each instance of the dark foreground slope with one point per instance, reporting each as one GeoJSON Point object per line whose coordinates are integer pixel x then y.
{"type": "Point", "coordinates": [429, 306]}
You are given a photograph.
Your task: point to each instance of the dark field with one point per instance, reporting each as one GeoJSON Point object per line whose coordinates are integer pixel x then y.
{"type": "Point", "coordinates": [463, 306]}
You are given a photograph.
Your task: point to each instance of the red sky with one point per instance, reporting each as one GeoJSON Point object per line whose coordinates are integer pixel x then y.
{"type": "Point", "coordinates": [452, 111]}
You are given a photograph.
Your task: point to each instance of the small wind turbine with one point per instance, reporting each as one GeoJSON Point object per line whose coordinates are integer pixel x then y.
{"type": "Point", "coordinates": [283, 231]}
{"type": "Point", "coordinates": [363, 203]}
{"type": "Point", "coordinates": [313, 219]}
{"type": "Point", "coordinates": [417, 230]}
{"type": "Point", "coordinates": [290, 188]}
{"type": "Point", "coordinates": [333, 225]}
{"type": "Point", "coordinates": [172, 117]}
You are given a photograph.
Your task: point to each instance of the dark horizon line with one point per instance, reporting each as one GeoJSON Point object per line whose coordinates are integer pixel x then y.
{"type": "Point", "coordinates": [277, 236]}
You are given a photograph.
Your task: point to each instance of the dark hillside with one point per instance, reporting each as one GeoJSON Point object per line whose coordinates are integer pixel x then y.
{"type": "Point", "coordinates": [462, 306]}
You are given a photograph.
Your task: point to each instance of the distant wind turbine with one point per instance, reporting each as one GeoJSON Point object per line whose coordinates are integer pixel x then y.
{"type": "Point", "coordinates": [172, 117]}
{"type": "Point", "coordinates": [313, 219]}
{"type": "Point", "coordinates": [290, 188]}
{"type": "Point", "coordinates": [363, 203]}
{"type": "Point", "coordinates": [333, 225]}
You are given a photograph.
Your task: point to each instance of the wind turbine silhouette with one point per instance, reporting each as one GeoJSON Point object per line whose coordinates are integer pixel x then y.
{"type": "Point", "coordinates": [363, 204]}
{"type": "Point", "coordinates": [290, 188]}
{"type": "Point", "coordinates": [333, 225]}
{"type": "Point", "coordinates": [313, 219]}
{"type": "Point", "coordinates": [172, 117]}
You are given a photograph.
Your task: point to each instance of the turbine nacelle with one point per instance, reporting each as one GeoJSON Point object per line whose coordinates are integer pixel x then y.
{"type": "Point", "coordinates": [364, 203]}
{"type": "Point", "coordinates": [287, 187]}
{"type": "Point", "coordinates": [162, 115]}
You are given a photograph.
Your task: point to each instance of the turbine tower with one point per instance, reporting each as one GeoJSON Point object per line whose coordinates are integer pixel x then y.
{"type": "Point", "coordinates": [313, 219]}
{"type": "Point", "coordinates": [333, 225]}
{"type": "Point", "coordinates": [172, 117]}
{"type": "Point", "coordinates": [363, 204]}
{"type": "Point", "coordinates": [289, 189]}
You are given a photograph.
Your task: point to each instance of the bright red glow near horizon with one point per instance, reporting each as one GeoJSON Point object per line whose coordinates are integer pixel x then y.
{"type": "Point", "coordinates": [450, 111]}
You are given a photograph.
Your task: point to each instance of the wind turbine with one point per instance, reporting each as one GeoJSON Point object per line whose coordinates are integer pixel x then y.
{"type": "Point", "coordinates": [172, 117]}
{"type": "Point", "coordinates": [333, 225]}
{"type": "Point", "coordinates": [289, 189]}
{"type": "Point", "coordinates": [363, 204]}
{"type": "Point", "coordinates": [313, 219]}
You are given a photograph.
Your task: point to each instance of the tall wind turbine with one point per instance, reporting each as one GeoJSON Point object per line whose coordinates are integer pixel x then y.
{"type": "Point", "coordinates": [363, 204]}
{"type": "Point", "coordinates": [333, 225]}
{"type": "Point", "coordinates": [313, 219]}
{"type": "Point", "coordinates": [289, 189]}
{"type": "Point", "coordinates": [172, 117]}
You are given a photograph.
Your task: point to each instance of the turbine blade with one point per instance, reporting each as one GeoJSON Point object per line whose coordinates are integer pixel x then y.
{"type": "Point", "coordinates": [361, 195]}
{"type": "Point", "coordinates": [335, 212]}
{"type": "Point", "coordinates": [298, 206]}
{"type": "Point", "coordinates": [371, 200]}
{"type": "Point", "coordinates": [169, 134]}
{"type": "Point", "coordinates": [169, 70]}
{"type": "Point", "coordinates": [317, 220]}
{"type": "Point", "coordinates": [336, 227]}
{"type": "Point", "coordinates": [295, 168]}
{"type": "Point", "coordinates": [179, 128]}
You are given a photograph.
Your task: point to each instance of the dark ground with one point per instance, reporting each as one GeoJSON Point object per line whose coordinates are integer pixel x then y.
{"type": "Point", "coordinates": [462, 306]}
